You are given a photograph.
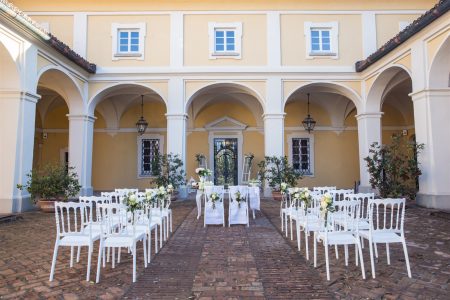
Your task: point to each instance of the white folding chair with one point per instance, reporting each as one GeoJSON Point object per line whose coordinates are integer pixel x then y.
{"type": "Point", "coordinates": [214, 213]}
{"type": "Point", "coordinates": [334, 234]}
{"type": "Point", "coordinates": [386, 225]}
{"type": "Point", "coordinates": [238, 212]}
{"type": "Point", "coordinates": [112, 197]}
{"type": "Point", "coordinates": [339, 195]}
{"type": "Point", "coordinates": [127, 236]}
{"type": "Point", "coordinates": [254, 199]}
{"type": "Point", "coordinates": [70, 232]}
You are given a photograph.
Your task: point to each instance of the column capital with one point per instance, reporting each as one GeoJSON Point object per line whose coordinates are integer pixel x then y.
{"type": "Point", "coordinates": [419, 95]}
{"type": "Point", "coordinates": [176, 116]}
{"type": "Point", "coordinates": [86, 118]}
{"type": "Point", "coordinates": [23, 95]}
{"type": "Point", "coordinates": [273, 116]}
{"type": "Point", "coordinates": [369, 115]}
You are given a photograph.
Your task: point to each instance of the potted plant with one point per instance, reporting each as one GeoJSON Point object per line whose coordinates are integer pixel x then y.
{"type": "Point", "coordinates": [171, 172]}
{"type": "Point", "coordinates": [52, 183]}
{"type": "Point", "coordinates": [278, 173]}
{"type": "Point", "coordinates": [394, 169]}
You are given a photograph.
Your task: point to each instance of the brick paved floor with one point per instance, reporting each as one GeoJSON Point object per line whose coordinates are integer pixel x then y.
{"type": "Point", "coordinates": [428, 240]}
{"type": "Point", "coordinates": [218, 263]}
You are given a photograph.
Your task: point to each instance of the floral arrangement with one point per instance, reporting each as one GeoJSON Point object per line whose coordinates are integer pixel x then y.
{"type": "Point", "coordinates": [214, 197]}
{"type": "Point", "coordinates": [239, 198]}
{"type": "Point", "coordinates": [283, 187]}
{"type": "Point", "coordinates": [170, 189]}
{"type": "Point", "coordinates": [132, 203]}
{"type": "Point", "coordinates": [202, 172]}
{"type": "Point", "coordinates": [150, 197]}
{"type": "Point", "coordinates": [301, 195]}
{"type": "Point", "coordinates": [326, 205]}
{"type": "Point", "coordinates": [201, 185]}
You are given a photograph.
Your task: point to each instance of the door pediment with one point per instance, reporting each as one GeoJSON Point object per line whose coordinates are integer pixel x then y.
{"type": "Point", "coordinates": [225, 124]}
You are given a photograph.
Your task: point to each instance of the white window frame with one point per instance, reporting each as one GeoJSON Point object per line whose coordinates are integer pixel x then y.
{"type": "Point", "coordinates": [237, 28]}
{"type": "Point", "coordinates": [333, 27]}
{"type": "Point", "coordinates": [140, 138]}
{"type": "Point", "coordinates": [311, 149]}
{"type": "Point", "coordinates": [115, 29]}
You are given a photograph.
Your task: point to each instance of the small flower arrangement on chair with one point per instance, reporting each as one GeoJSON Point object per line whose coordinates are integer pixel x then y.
{"type": "Point", "coordinates": [239, 198]}
{"type": "Point", "coordinates": [301, 195]}
{"type": "Point", "coordinates": [132, 203]}
{"type": "Point", "coordinates": [203, 173]}
{"type": "Point", "coordinates": [214, 198]}
{"type": "Point", "coordinates": [326, 206]}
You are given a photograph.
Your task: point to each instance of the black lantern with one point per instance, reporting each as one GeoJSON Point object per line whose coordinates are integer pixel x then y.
{"type": "Point", "coordinates": [141, 125]}
{"type": "Point", "coordinates": [309, 122]}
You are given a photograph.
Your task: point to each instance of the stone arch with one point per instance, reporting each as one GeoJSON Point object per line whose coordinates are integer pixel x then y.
{"type": "Point", "coordinates": [226, 87]}
{"type": "Point", "coordinates": [329, 87]}
{"type": "Point", "coordinates": [383, 83]}
{"type": "Point", "coordinates": [125, 93]}
{"type": "Point", "coordinates": [59, 80]}
{"type": "Point", "coordinates": [439, 73]}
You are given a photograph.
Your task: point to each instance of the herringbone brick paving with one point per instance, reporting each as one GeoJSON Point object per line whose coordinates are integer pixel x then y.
{"type": "Point", "coordinates": [226, 263]}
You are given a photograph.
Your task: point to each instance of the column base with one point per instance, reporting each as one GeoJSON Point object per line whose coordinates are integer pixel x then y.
{"type": "Point", "coordinates": [441, 202]}
{"type": "Point", "coordinates": [86, 191]}
{"type": "Point", "coordinates": [16, 205]}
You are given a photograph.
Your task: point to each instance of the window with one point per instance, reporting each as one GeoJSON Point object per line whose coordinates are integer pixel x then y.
{"type": "Point", "coordinates": [225, 40]}
{"type": "Point", "coordinates": [128, 41]}
{"type": "Point", "coordinates": [321, 40]}
{"type": "Point", "coordinates": [301, 153]}
{"type": "Point", "coordinates": [149, 146]}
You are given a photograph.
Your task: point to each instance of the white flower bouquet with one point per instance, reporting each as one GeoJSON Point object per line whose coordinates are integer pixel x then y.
{"type": "Point", "coordinates": [132, 203]}
{"type": "Point", "coordinates": [326, 205]}
{"type": "Point", "coordinates": [214, 197]}
{"type": "Point", "coordinates": [239, 198]}
{"type": "Point", "coordinates": [301, 195]}
{"type": "Point", "coordinates": [202, 173]}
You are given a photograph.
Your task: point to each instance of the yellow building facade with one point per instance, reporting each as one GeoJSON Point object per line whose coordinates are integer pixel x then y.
{"type": "Point", "coordinates": [216, 73]}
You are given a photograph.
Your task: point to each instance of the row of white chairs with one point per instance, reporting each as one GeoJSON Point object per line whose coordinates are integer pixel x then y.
{"type": "Point", "coordinates": [112, 225]}
{"type": "Point", "coordinates": [356, 217]}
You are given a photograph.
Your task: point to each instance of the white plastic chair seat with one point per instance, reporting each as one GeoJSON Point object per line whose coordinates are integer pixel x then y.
{"type": "Point", "coordinates": [123, 241]}
{"type": "Point", "coordinates": [382, 237]}
{"type": "Point", "coordinates": [78, 239]}
{"type": "Point", "coordinates": [338, 238]}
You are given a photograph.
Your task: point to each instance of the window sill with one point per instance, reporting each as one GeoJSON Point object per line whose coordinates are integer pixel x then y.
{"type": "Point", "coordinates": [312, 55]}
{"type": "Point", "coordinates": [118, 56]}
{"type": "Point", "coordinates": [234, 55]}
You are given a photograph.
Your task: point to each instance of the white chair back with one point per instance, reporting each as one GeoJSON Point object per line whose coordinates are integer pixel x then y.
{"type": "Point", "coordinates": [339, 195]}
{"type": "Point", "coordinates": [70, 218]}
{"type": "Point", "coordinates": [124, 192]}
{"type": "Point", "coordinates": [214, 212]}
{"type": "Point", "coordinates": [112, 197]}
{"type": "Point", "coordinates": [254, 197]}
{"type": "Point", "coordinates": [387, 215]}
{"type": "Point", "coordinates": [238, 211]}
{"type": "Point", "coordinates": [324, 189]}
{"type": "Point", "coordinates": [364, 199]}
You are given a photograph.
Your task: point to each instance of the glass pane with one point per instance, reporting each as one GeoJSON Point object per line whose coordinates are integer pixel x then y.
{"type": "Point", "coordinates": [296, 166]}
{"type": "Point", "coordinates": [123, 49]}
{"type": "Point", "coordinates": [230, 34]}
{"type": "Point", "coordinates": [134, 34]}
{"type": "Point", "coordinates": [304, 142]}
{"type": "Point", "coordinates": [219, 34]}
{"type": "Point", "coordinates": [134, 41]}
{"type": "Point", "coordinates": [230, 40]}
{"type": "Point", "coordinates": [134, 48]}
{"type": "Point", "coordinates": [326, 47]}
{"type": "Point", "coordinates": [315, 40]}
{"type": "Point", "coordinates": [325, 33]}
{"type": "Point", "coordinates": [123, 34]}
{"type": "Point", "coordinates": [230, 47]}
{"type": "Point", "coordinates": [219, 48]}
{"type": "Point", "coordinates": [315, 47]}
{"type": "Point", "coordinates": [123, 41]}
{"type": "Point", "coordinates": [325, 40]}
{"type": "Point", "coordinates": [314, 33]}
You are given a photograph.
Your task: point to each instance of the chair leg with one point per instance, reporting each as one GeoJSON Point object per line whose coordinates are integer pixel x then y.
{"type": "Point", "coordinates": [327, 263]}
{"type": "Point", "coordinates": [171, 223]}
{"type": "Point", "coordinates": [149, 246]}
{"type": "Point", "coordinates": [363, 271]}
{"type": "Point", "coordinates": [282, 221]}
{"type": "Point", "coordinates": [307, 244]}
{"type": "Point", "coordinates": [156, 239]}
{"type": "Point", "coordinates": [134, 262]}
{"type": "Point", "coordinates": [376, 250]}
{"type": "Point", "coordinates": [144, 243]}
{"type": "Point", "coordinates": [372, 260]}
{"type": "Point", "coordinates": [285, 224]}
{"type": "Point", "coordinates": [108, 254]}
{"type": "Point", "coordinates": [104, 259]}
{"type": "Point", "coordinates": [119, 251]}
{"type": "Point", "coordinates": [315, 250]}
{"type": "Point", "coordinates": [161, 233]}
{"type": "Point", "coordinates": [113, 257]}
{"type": "Point", "coordinates": [356, 255]}
{"type": "Point", "coordinates": [346, 254]}
{"type": "Point", "coordinates": [88, 273]}
{"type": "Point", "coordinates": [71, 256]}
{"type": "Point", "coordinates": [298, 236]}
{"type": "Point", "coordinates": [362, 242]}
{"type": "Point", "coordinates": [78, 254]}
{"type": "Point", "coordinates": [55, 255]}
{"type": "Point", "coordinates": [388, 254]}
{"type": "Point", "coordinates": [405, 250]}
{"type": "Point", "coordinates": [99, 260]}
{"type": "Point", "coordinates": [253, 214]}
{"type": "Point", "coordinates": [336, 251]}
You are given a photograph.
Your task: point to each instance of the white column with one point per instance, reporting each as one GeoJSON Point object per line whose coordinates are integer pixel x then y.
{"type": "Point", "coordinates": [273, 39]}
{"type": "Point", "coordinates": [81, 132]}
{"type": "Point", "coordinates": [432, 128]}
{"type": "Point", "coordinates": [274, 134]}
{"type": "Point", "coordinates": [369, 132]}
{"type": "Point", "coordinates": [80, 33]}
{"type": "Point", "coordinates": [176, 40]}
{"type": "Point", "coordinates": [176, 135]}
{"type": "Point", "coordinates": [369, 26]}
{"type": "Point", "coordinates": [17, 128]}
